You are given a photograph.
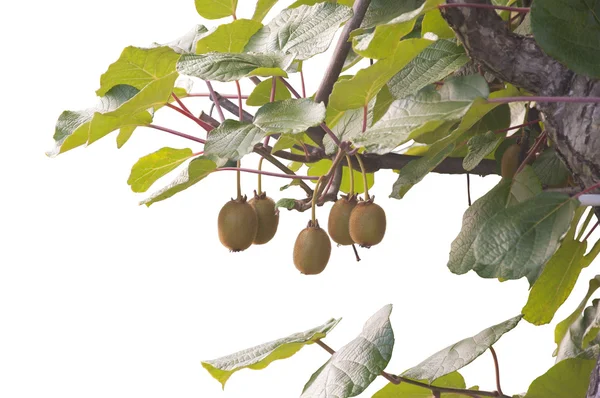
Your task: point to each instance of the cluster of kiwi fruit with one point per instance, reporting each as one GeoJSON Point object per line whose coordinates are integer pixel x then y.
{"type": "Point", "coordinates": [242, 223]}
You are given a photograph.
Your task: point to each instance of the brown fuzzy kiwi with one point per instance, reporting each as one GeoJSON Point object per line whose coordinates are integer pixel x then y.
{"type": "Point", "coordinates": [238, 224]}
{"type": "Point", "coordinates": [312, 250]}
{"type": "Point", "coordinates": [367, 224]}
{"type": "Point", "coordinates": [268, 218]}
{"type": "Point", "coordinates": [510, 161]}
{"type": "Point", "coordinates": [339, 220]}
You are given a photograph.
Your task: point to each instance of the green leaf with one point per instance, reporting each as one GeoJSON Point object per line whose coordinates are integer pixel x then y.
{"type": "Point", "coordinates": [562, 328]}
{"type": "Point", "coordinates": [405, 390]}
{"type": "Point", "coordinates": [289, 204]}
{"type": "Point", "coordinates": [347, 127]}
{"type": "Point", "coordinates": [518, 240]}
{"type": "Point", "coordinates": [262, 93]}
{"type": "Point", "coordinates": [462, 257]}
{"type": "Point", "coordinates": [263, 355]}
{"type": "Point", "coordinates": [216, 9]}
{"type": "Point", "coordinates": [557, 279]}
{"type": "Point", "coordinates": [550, 169]}
{"type": "Point", "coordinates": [197, 169]}
{"type": "Point", "coordinates": [138, 67]}
{"type": "Point", "coordinates": [232, 140]}
{"type": "Point", "coordinates": [225, 67]}
{"type": "Point", "coordinates": [228, 38]}
{"type": "Point", "coordinates": [304, 31]}
{"type": "Point", "coordinates": [383, 101]}
{"type": "Point", "coordinates": [262, 9]}
{"type": "Point", "coordinates": [290, 116]}
{"type": "Point", "coordinates": [285, 141]}
{"type": "Point", "coordinates": [480, 146]}
{"type": "Point", "coordinates": [566, 379]}
{"type": "Point", "coordinates": [124, 135]}
{"type": "Point", "coordinates": [460, 354]}
{"type": "Point", "coordinates": [434, 63]}
{"type": "Point", "coordinates": [155, 165]}
{"type": "Point", "coordinates": [433, 22]}
{"type": "Point", "coordinates": [354, 367]}
{"type": "Point", "coordinates": [570, 32]}
{"type": "Point", "coordinates": [363, 87]}
{"type": "Point", "coordinates": [186, 44]}
{"type": "Point", "coordinates": [412, 116]}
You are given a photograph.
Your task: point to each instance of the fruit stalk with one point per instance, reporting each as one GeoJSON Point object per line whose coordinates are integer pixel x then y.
{"type": "Point", "coordinates": [351, 169]}
{"type": "Point", "coordinates": [314, 201]}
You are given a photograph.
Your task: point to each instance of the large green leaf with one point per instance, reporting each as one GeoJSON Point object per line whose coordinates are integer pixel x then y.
{"type": "Point", "coordinates": [348, 127]}
{"type": "Point", "coordinates": [425, 111]}
{"type": "Point", "coordinates": [479, 147]}
{"type": "Point", "coordinates": [518, 240]}
{"type": "Point", "coordinates": [405, 390]}
{"type": "Point", "coordinates": [74, 128]}
{"type": "Point", "coordinates": [569, 30]}
{"type": "Point", "coordinates": [262, 93]}
{"type": "Point", "coordinates": [197, 170]}
{"type": "Point", "coordinates": [363, 87]}
{"type": "Point", "coordinates": [434, 63]}
{"type": "Point", "coordinates": [433, 22]}
{"type": "Point", "coordinates": [550, 169]}
{"type": "Point", "coordinates": [566, 379]}
{"type": "Point", "coordinates": [354, 367]}
{"type": "Point", "coordinates": [304, 31]}
{"type": "Point", "coordinates": [155, 165]}
{"type": "Point", "coordinates": [125, 134]}
{"type": "Point", "coordinates": [216, 9]}
{"type": "Point", "coordinates": [226, 67]}
{"type": "Point", "coordinates": [138, 67]}
{"type": "Point", "coordinates": [289, 116]}
{"type": "Point", "coordinates": [392, 20]}
{"type": "Point", "coordinates": [461, 354]}
{"type": "Point", "coordinates": [557, 279]}
{"type": "Point", "coordinates": [228, 38]}
{"type": "Point", "coordinates": [263, 355]}
{"type": "Point", "coordinates": [232, 140]}
{"type": "Point", "coordinates": [262, 9]}
{"type": "Point", "coordinates": [186, 44]}
{"type": "Point", "coordinates": [462, 257]}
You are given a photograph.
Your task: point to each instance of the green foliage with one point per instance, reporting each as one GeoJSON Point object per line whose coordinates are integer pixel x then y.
{"type": "Point", "coordinates": [291, 116]}
{"type": "Point", "coordinates": [228, 38]}
{"type": "Point", "coordinates": [151, 167]}
{"type": "Point", "coordinates": [186, 44]}
{"type": "Point", "coordinates": [433, 22]}
{"type": "Point", "coordinates": [566, 379]}
{"type": "Point", "coordinates": [262, 93]}
{"type": "Point", "coordinates": [480, 146]}
{"type": "Point", "coordinates": [216, 9]}
{"type": "Point", "coordinates": [262, 9]}
{"type": "Point", "coordinates": [550, 169]}
{"type": "Point", "coordinates": [460, 354]}
{"type": "Point", "coordinates": [354, 367]}
{"type": "Point", "coordinates": [570, 32]}
{"type": "Point", "coordinates": [405, 390]}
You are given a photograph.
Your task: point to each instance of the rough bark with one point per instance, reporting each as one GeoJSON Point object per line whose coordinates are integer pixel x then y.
{"type": "Point", "coordinates": [574, 128]}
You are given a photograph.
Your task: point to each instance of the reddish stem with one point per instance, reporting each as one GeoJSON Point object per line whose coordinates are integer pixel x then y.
{"type": "Point", "coordinates": [469, 189]}
{"type": "Point", "coordinates": [215, 101]}
{"type": "Point", "coordinates": [517, 127]}
{"type": "Point", "coordinates": [497, 367]}
{"type": "Point", "coordinates": [201, 123]}
{"type": "Point", "coordinates": [591, 231]}
{"type": "Point", "coordinates": [207, 95]}
{"type": "Point", "coordinates": [532, 152]}
{"type": "Point", "coordinates": [181, 104]}
{"type": "Point", "coordinates": [303, 85]}
{"type": "Point", "coordinates": [365, 118]}
{"type": "Point", "coordinates": [273, 90]}
{"type": "Point", "coordinates": [268, 173]}
{"type": "Point", "coordinates": [331, 134]}
{"type": "Point", "coordinates": [577, 100]}
{"type": "Point", "coordinates": [198, 153]}
{"type": "Point", "coordinates": [289, 87]}
{"type": "Point", "coordinates": [588, 190]}
{"type": "Point", "coordinates": [240, 110]}
{"type": "Point", "coordinates": [486, 6]}
{"type": "Point", "coordinates": [177, 133]}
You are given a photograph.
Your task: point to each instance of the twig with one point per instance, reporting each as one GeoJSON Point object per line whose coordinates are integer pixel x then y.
{"type": "Point", "coordinates": [497, 368]}
{"type": "Point", "coordinates": [488, 6]}
{"type": "Point", "coordinates": [517, 127]}
{"type": "Point", "coordinates": [215, 101]}
{"type": "Point", "coordinates": [177, 133]}
{"type": "Point", "coordinates": [469, 189]}
{"type": "Point", "coordinates": [289, 87]}
{"type": "Point", "coordinates": [331, 134]}
{"type": "Point", "coordinates": [201, 123]}
{"type": "Point", "coordinates": [577, 100]}
{"type": "Point", "coordinates": [302, 83]}
{"type": "Point", "coordinates": [532, 151]}
{"type": "Point", "coordinates": [275, 162]}
{"type": "Point", "coordinates": [592, 231]}
{"type": "Point", "coordinates": [231, 96]}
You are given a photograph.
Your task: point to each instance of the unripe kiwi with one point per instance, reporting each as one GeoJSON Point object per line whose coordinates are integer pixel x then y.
{"type": "Point", "coordinates": [312, 250]}
{"type": "Point", "coordinates": [510, 161]}
{"type": "Point", "coordinates": [367, 224]}
{"type": "Point", "coordinates": [238, 225]}
{"type": "Point", "coordinates": [268, 218]}
{"type": "Point", "coordinates": [339, 220]}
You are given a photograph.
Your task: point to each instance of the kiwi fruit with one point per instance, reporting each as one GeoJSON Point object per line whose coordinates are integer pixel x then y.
{"type": "Point", "coordinates": [367, 224]}
{"type": "Point", "coordinates": [312, 250]}
{"type": "Point", "coordinates": [510, 161]}
{"type": "Point", "coordinates": [238, 224]}
{"type": "Point", "coordinates": [268, 218]}
{"type": "Point", "coordinates": [339, 220]}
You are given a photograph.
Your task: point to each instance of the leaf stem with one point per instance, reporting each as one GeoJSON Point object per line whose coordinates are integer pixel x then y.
{"type": "Point", "coordinates": [588, 190]}
{"type": "Point", "coordinates": [577, 100]}
{"type": "Point", "coordinates": [303, 84]}
{"type": "Point", "coordinates": [268, 173]}
{"type": "Point", "coordinates": [201, 123]}
{"type": "Point", "coordinates": [289, 87]}
{"type": "Point", "coordinates": [365, 118]}
{"type": "Point", "coordinates": [215, 101]}
{"type": "Point", "coordinates": [177, 133]}
{"type": "Point", "coordinates": [273, 89]}
{"type": "Point", "coordinates": [469, 189]}
{"type": "Point", "coordinates": [497, 368]}
{"type": "Point", "coordinates": [517, 127]}
{"type": "Point", "coordinates": [364, 176]}
{"type": "Point", "coordinates": [540, 141]}
{"type": "Point", "coordinates": [331, 134]}
{"type": "Point", "coordinates": [486, 6]}
{"type": "Point", "coordinates": [314, 202]}
{"type": "Point", "coordinates": [591, 231]}
{"type": "Point", "coordinates": [181, 104]}
{"type": "Point", "coordinates": [207, 95]}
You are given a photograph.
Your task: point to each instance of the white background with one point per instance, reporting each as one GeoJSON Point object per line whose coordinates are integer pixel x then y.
{"type": "Point", "coordinates": [100, 297]}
